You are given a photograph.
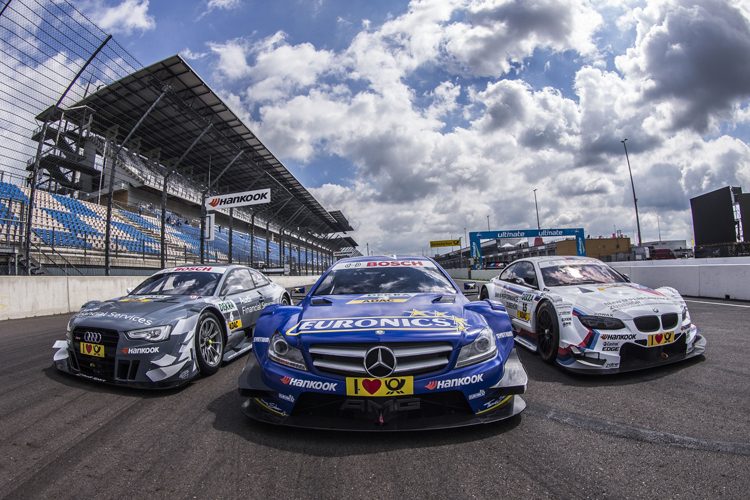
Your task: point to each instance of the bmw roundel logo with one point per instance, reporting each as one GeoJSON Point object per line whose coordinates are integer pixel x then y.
{"type": "Point", "coordinates": [380, 362]}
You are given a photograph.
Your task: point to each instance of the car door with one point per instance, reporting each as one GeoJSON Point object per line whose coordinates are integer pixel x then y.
{"type": "Point", "coordinates": [519, 286]}
{"type": "Point", "coordinates": [240, 300]}
{"type": "Point", "coordinates": [264, 289]}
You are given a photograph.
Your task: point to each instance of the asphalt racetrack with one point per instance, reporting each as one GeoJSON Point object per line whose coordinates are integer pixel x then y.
{"type": "Point", "coordinates": [680, 431]}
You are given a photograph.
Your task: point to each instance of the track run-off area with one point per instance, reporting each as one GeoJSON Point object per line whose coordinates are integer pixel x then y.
{"type": "Point", "coordinates": [679, 431]}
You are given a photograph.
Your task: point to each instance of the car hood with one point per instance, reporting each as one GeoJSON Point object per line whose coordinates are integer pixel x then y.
{"type": "Point", "coordinates": [629, 299]}
{"type": "Point", "coordinates": [134, 311]}
{"type": "Point", "coordinates": [385, 318]}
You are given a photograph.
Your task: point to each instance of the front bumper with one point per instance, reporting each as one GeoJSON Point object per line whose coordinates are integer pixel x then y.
{"type": "Point", "coordinates": [171, 366]}
{"type": "Point", "coordinates": [419, 411]}
{"type": "Point", "coordinates": [633, 356]}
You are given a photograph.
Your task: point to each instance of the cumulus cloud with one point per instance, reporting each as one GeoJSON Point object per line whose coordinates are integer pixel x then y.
{"type": "Point", "coordinates": [127, 17]}
{"type": "Point", "coordinates": [693, 56]}
{"type": "Point", "coordinates": [219, 4]}
{"type": "Point", "coordinates": [430, 162]}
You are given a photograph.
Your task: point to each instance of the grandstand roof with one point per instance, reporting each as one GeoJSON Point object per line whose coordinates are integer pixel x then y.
{"type": "Point", "coordinates": [185, 111]}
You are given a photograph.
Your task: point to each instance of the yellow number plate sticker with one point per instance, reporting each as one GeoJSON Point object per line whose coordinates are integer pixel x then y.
{"type": "Point", "coordinates": [660, 338]}
{"type": "Point", "coordinates": [235, 324]}
{"type": "Point", "coordinates": [524, 316]}
{"type": "Point", "coordinates": [92, 349]}
{"type": "Point", "coordinates": [393, 386]}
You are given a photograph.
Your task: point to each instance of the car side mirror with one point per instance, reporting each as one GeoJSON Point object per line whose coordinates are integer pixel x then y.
{"type": "Point", "coordinates": [129, 290]}
{"type": "Point", "coordinates": [470, 288]}
{"type": "Point", "coordinates": [298, 290]}
{"type": "Point", "coordinates": [233, 289]}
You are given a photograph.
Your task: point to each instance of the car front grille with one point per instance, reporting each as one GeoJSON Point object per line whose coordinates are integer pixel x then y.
{"type": "Point", "coordinates": [634, 356]}
{"type": "Point", "coordinates": [669, 320]}
{"type": "Point", "coordinates": [647, 323]}
{"type": "Point", "coordinates": [94, 365]}
{"type": "Point", "coordinates": [412, 358]}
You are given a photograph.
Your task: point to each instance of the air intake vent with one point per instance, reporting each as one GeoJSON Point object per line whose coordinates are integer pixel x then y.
{"type": "Point", "coordinates": [669, 321]}
{"type": "Point", "coordinates": [647, 323]}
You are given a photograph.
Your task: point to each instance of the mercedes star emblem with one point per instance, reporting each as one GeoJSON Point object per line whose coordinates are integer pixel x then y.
{"type": "Point", "coordinates": [380, 362]}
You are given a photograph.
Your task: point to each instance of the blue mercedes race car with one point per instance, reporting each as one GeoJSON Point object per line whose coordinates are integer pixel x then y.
{"type": "Point", "coordinates": [383, 343]}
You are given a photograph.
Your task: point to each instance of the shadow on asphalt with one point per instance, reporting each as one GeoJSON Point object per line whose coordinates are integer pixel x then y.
{"type": "Point", "coordinates": [539, 371]}
{"type": "Point", "coordinates": [325, 443]}
{"type": "Point", "coordinates": [74, 381]}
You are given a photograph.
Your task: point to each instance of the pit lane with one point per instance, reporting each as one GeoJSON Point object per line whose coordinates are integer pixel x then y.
{"type": "Point", "coordinates": [680, 431]}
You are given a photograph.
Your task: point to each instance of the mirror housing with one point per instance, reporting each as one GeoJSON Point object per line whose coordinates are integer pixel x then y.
{"type": "Point", "coordinates": [129, 290]}
{"type": "Point", "coordinates": [470, 288]}
{"type": "Point", "coordinates": [298, 290]}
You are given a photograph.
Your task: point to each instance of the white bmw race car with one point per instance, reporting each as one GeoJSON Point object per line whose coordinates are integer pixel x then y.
{"type": "Point", "coordinates": [583, 315]}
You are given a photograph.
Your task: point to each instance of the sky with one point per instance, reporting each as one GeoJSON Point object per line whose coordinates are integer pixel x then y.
{"type": "Point", "coordinates": [429, 119]}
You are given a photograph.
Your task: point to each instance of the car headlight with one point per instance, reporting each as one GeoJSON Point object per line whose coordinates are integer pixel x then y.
{"type": "Point", "coordinates": [685, 315]}
{"type": "Point", "coordinates": [482, 349]}
{"type": "Point", "coordinates": [601, 323]}
{"type": "Point", "coordinates": [152, 334]}
{"type": "Point", "coordinates": [282, 353]}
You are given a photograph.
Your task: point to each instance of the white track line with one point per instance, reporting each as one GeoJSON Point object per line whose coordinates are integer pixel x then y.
{"type": "Point", "coordinates": [715, 303]}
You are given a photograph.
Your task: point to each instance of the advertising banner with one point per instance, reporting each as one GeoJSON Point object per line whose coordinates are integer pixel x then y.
{"type": "Point", "coordinates": [446, 243]}
{"type": "Point", "coordinates": [239, 199]}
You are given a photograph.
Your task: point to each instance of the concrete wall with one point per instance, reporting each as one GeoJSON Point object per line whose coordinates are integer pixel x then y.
{"type": "Point", "coordinates": [713, 278]}
{"type": "Point", "coordinates": [27, 296]}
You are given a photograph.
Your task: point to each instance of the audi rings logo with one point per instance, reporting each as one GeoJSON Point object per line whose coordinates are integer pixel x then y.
{"type": "Point", "coordinates": [380, 362]}
{"type": "Point", "coordinates": [94, 337]}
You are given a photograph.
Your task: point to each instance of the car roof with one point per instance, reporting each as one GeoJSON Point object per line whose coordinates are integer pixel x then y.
{"type": "Point", "coordinates": [548, 258]}
{"type": "Point", "coordinates": [380, 258]}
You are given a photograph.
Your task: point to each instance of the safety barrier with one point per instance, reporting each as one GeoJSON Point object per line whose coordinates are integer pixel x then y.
{"type": "Point", "coordinates": [710, 278]}
{"type": "Point", "coordinates": [28, 296]}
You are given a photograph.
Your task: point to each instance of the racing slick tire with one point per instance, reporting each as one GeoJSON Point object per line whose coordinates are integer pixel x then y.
{"type": "Point", "coordinates": [209, 344]}
{"type": "Point", "coordinates": [484, 295]}
{"type": "Point", "coordinates": [547, 333]}
{"type": "Point", "coordinates": [284, 300]}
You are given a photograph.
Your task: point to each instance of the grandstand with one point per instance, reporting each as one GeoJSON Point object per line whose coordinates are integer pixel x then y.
{"type": "Point", "coordinates": [112, 176]}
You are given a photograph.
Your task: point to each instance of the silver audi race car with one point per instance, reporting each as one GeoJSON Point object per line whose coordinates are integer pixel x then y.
{"type": "Point", "coordinates": [177, 324]}
{"type": "Point", "coordinates": [383, 343]}
{"type": "Point", "coordinates": [585, 316]}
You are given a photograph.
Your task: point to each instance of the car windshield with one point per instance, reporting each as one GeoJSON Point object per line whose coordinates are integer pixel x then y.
{"type": "Point", "coordinates": [427, 279]}
{"type": "Point", "coordinates": [191, 283]}
{"type": "Point", "coordinates": [579, 274]}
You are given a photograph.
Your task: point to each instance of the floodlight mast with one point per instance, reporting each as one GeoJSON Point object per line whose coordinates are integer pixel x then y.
{"type": "Point", "coordinates": [635, 200]}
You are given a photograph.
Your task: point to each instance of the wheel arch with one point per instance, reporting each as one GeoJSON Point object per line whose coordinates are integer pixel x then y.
{"type": "Point", "coordinates": [222, 322]}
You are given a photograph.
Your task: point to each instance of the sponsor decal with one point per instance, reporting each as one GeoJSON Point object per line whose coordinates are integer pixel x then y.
{"type": "Point", "coordinates": [127, 317]}
{"type": "Point", "coordinates": [271, 406]}
{"type": "Point", "coordinates": [235, 324]}
{"type": "Point", "coordinates": [262, 339]}
{"type": "Point", "coordinates": [289, 398]}
{"type": "Point", "coordinates": [141, 350]}
{"type": "Point", "coordinates": [372, 407]}
{"type": "Point", "coordinates": [310, 384]}
{"type": "Point", "coordinates": [416, 321]}
{"type": "Point", "coordinates": [379, 386]}
{"type": "Point", "coordinates": [245, 299]}
{"type": "Point", "coordinates": [377, 298]}
{"type": "Point", "coordinates": [504, 335]}
{"type": "Point", "coordinates": [240, 199]}
{"type": "Point", "coordinates": [611, 349]}
{"type": "Point", "coordinates": [197, 268]}
{"type": "Point", "coordinates": [661, 338]}
{"type": "Point", "coordinates": [195, 297]}
{"type": "Point", "coordinates": [454, 382]}
{"type": "Point", "coordinates": [253, 308]}
{"type": "Point", "coordinates": [227, 306]}
{"type": "Point", "coordinates": [90, 377]}
{"type": "Point", "coordinates": [617, 336]}
{"type": "Point", "coordinates": [397, 263]}
{"type": "Point", "coordinates": [92, 349]}
{"type": "Point", "coordinates": [527, 297]}
{"type": "Point", "coordinates": [477, 395]}
{"type": "Point", "coordinates": [616, 305]}
{"type": "Point", "coordinates": [610, 344]}
{"type": "Point", "coordinates": [184, 374]}
{"type": "Point", "coordinates": [523, 315]}
{"type": "Point", "coordinates": [612, 365]}
{"type": "Point", "coordinates": [495, 403]}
